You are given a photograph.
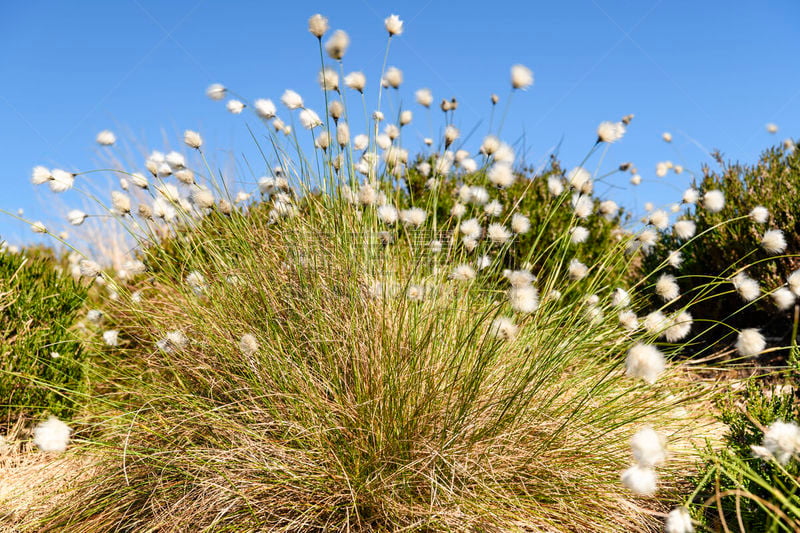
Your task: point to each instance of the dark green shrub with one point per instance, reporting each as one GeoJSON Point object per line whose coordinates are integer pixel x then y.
{"type": "Point", "coordinates": [749, 493]}
{"type": "Point", "coordinates": [774, 183]}
{"type": "Point", "coordinates": [38, 305]}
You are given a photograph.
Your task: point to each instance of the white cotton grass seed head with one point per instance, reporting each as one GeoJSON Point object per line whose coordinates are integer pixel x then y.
{"type": "Point", "coordinates": [424, 97]}
{"type": "Point", "coordinates": [61, 180]}
{"type": "Point", "coordinates": [76, 217]}
{"type": "Point", "coordinates": [463, 273]}
{"type": "Point", "coordinates": [667, 287]}
{"type": "Point", "coordinates": [636, 179]}
{"type": "Point", "coordinates": [265, 108]}
{"type": "Point", "coordinates": [309, 119]}
{"type": "Point", "coordinates": [679, 327]}
{"type": "Point", "coordinates": [52, 435]}
{"type": "Point", "coordinates": [111, 337]}
{"type": "Point", "coordinates": [393, 77]}
{"type": "Point", "coordinates": [414, 216]}
{"type": "Point", "coordinates": [678, 521]}
{"type": "Point", "coordinates": [490, 145]}
{"type": "Point", "coordinates": [248, 344]}
{"type": "Point", "coordinates": [503, 328]}
{"type": "Point", "coordinates": [645, 362]}
{"type": "Point", "coordinates": [783, 298]}
{"type": "Point", "coordinates": [578, 235]}
{"type": "Point", "coordinates": [794, 282]}
{"type": "Point", "coordinates": [608, 208]}
{"type": "Point", "coordinates": [40, 175]}
{"type": "Point", "coordinates": [317, 25]}
{"type": "Point", "coordinates": [750, 342]}
{"type": "Point", "coordinates": [388, 214]}
{"type": "Point", "coordinates": [773, 242]}
{"type": "Point", "coordinates": [192, 139]}
{"type": "Point", "coordinates": [583, 205]}
{"type": "Point", "coordinates": [120, 202]}
{"type": "Point", "coordinates": [690, 196]}
{"type": "Point", "coordinates": [555, 185]}
{"type": "Point", "coordinates": [640, 480]}
{"type": "Point", "coordinates": [519, 278]}
{"type": "Point", "coordinates": [628, 320]}
{"type": "Point", "coordinates": [521, 77]}
{"type": "Point", "coordinates": [89, 269]}
{"type": "Point", "coordinates": [520, 224]}
{"type": "Point", "coordinates": [580, 179]}
{"type": "Point", "coordinates": [684, 229]}
{"type": "Point", "coordinates": [497, 233]}
{"type": "Point", "coordinates": [648, 447]}
{"type": "Point", "coordinates": [620, 298]}
{"type": "Point", "coordinates": [235, 106]}
{"type": "Point", "coordinates": [667, 136]}
{"type": "Point", "coordinates": [659, 218]}
{"type": "Point", "coordinates": [771, 127]}
{"type": "Point", "coordinates": [216, 91]}
{"type": "Point", "coordinates": [759, 214]}
{"type": "Point", "coordinates": [336, 45]}
{"type": "Point", "coordinates": [577, 270]}
{"type": "Point", "coordinates": [106, 138]}
{"type": "Point", "coordinates": [493, 208]}
{"type": "Point", "coordinates": [356, 81]}
{"type": "Point", "coordinates": [714, 200]}
{"type": "Point", "coordinates": [393, 25]}
{"type": "Point", "coordinates": [291, 99]}
{"type": "Point", "coordinates": [675, 258]}
{"type": "Point", "coordinates": [610, 132]}
{"type": "Point", "coordinates": [501, 175]}
{"type": "Point", "coordinates": [782, 440]}
{"type": "Point", "coordinates": [747, 287]}
{"type": "Point", "coordinates": [523, 299]}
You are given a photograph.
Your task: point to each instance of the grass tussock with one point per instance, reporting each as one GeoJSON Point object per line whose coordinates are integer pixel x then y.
{"type": "Point", "coordinates": [355, 408]}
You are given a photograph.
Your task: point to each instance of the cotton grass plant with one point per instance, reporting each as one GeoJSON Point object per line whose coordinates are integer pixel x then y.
{"type": "Point", "coordinates": [365, 339]}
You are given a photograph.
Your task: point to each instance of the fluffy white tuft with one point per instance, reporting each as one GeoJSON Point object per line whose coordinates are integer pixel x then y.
{"type": "Point", "coordinates": [52, 435]}
{"type": "Point", "coordinates": [640, 480]}
{"type": "Point", "coordinates": [645, 362]}
{"type": "Point", "coordinates": [750, 342]}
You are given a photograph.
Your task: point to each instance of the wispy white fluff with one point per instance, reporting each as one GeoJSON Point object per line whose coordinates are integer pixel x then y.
{"type": "Point", "coordinates": [501, 175]}
{"type": "Point", "coordinates": [106, 138]}
{"type": "Point", "coordinates": [235, 106]}
{"type": "Point", "coordinates": [497, 233]}
{"type": "Point", "coordinates": [520, 224]}
{"type": "Point", "coordinates": [388, 214]}
{"type": "Point", "coordinates": [679, 327]}
{"type": "Point", "coordinates": [678, 521]}
{"type": "Point", "coordinates": [783, 298]}
{"type": "Point", "coordinates": [317, 25]}
{"type": "Point", "coordinates": [463, 273]}
{"type": "Point", "coordinates": [555, 185]}
{"type": "Point", "coordinates": [414, 216]}
{"type": "Point", "coordinates": [111, 337]}
{"type": "Point", "coordinates": [291, 99]}
{"type": "Point", "coordinates": [493, 208]}
{"type": "Point", "coordinates": [61, 180]}
{"type": "Point", "coordinates": [750, 342]}
{"type": "Point", "coordinates": [684, 229]}
{"type": "Point", "coordinates": [610, 132]}
{"type": "Point", "coordinates": [675, 258]}
{"type": "Point", "coordinates": [336, 45]}
{"type": "Point", "coordinates": [714, 200]}
{"type": "Point", "coordinates": [524, 299]}
{"type": "Point", "coordinates": [216, 91]}
{"type": "Point", "coordinates": [52, 435]}
{"type": "Point", "coordinates": [580, 179]}
{"type": "Point", "coordinates": [583, 205]}
{"type": "Point", "coordinates": [503, 328]}
{"type": "Point", "coordinates": [521, 77]}
{"type": "Point", "coordinates": [309, 119]}
{"type": "Point", "coordinates": [747, 287]}
{"type": "Point", "coordinates": [424, 97]}
{"type": "Point", "coordinates": [645, 362]}
{"type": "Point", "coordinates": [248, 344]}
{"type": "Point", "coordinates": [620, 298]}
{"type": "Point", "coordinates": [393, 77]}
{"type": "Point", "coordinates": [577, 270]}
{"type": "Point", "coordinates": [773, 242]}
{"type": "Point", "coordinates": [578, 234]}
{"type": "Point", "coordinates": [759, 214]}
{"type": "Point", "coordinates": [667, 287]}
{"type": "Point", "coordinates": [691, 196]}
{"type": "Point", "coordinates": [640, 480]}
{"type": "Point", "coordinates": [659, 218]}
{"type": "Point", "coordinates": [793, 280]}
{"type": "Point", "coordinates": [782, 440]}
{"type": "Point", "coordinates": [628, 320]}
{"type": "Point", "coordinates": [393, 25]}
{"type": "Point", "coordinates": [648, 447]}
{"type": "Point", "coordinates": [76, 217]}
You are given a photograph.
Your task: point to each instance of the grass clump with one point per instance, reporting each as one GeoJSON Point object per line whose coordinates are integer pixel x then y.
{"type": "Point", "coordinates": [290, 381]}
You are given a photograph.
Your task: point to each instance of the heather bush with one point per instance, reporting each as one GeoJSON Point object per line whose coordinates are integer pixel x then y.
{"type": "Point", "coordinates": [41, 358]}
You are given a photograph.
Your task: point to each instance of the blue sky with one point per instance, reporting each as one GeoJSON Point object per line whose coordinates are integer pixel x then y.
{"type": "Point", "coordinates": [713, 73]}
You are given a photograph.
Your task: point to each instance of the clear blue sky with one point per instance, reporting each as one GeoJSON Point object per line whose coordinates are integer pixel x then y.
{"type": "Point", "coordinates": [713, 71]}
